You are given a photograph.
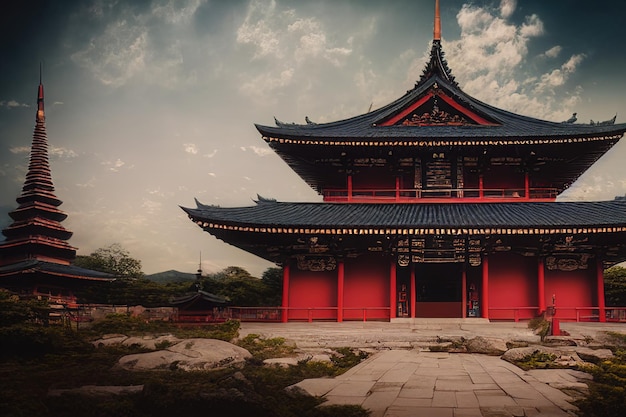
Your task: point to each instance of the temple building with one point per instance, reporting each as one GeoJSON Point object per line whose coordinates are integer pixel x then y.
{"type": "Point", "coordinates": [36, 258]}
{"type": "Point", "coordinates": [435, 205]}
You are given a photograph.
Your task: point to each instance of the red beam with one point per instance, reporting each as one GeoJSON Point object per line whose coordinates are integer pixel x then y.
{"type": "Point", "coordinates": [485, 289]}
{"type": "Point", "coordinates": [413, 290]}
{"type": "Point", "coordinates": [392, 290]}
{"type": "Point", "coordinates": [541, 286]}
{"type": "Point", "coordinates": [284, 315]}
{"type": "Point", "coordinates": [340, 280]}
{"type": "Point", "coordinates": [601, 301]}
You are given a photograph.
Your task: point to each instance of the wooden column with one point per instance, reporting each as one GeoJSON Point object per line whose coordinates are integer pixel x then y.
{"type": "Point", "coordinates": [392, 290]}
{"type": "Point", "coordinates": [340, 279]}
{"type": "Point", "coordinates": [285, 311]}
{"type": "Point", "coordinates": [484, 303]}
{"type": "Point", "coordinates": [526, 186]}
{"type": "Point", "coordinates": [541, 286]}
{"type": "Point", "coordinates": [464, 299]}
{"type": "Point", "coordinates": [600, 279]}
{"type": "Point", "coordinates": [349, 187]}
{"type": "Point", "coordinates": [397, 188]}
{"type": "Point", "coordinates": [412, 292]}
{"type": "Point", "coordinates": [481, 187]}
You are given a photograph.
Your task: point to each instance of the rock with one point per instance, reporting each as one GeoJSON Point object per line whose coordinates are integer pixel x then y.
{"type": "Point", "coordinates": [151, 342]}
{"type": "Point", "coordinates": [593, 355]}
{"type": "Point", "coordinates": [189, 355]}
{"type": "Point", "coordinates": [486, 346]}
{"type": "Point", "coordinates": [98, 390]}
{"type": "Point", "coordinates": [523, 354]}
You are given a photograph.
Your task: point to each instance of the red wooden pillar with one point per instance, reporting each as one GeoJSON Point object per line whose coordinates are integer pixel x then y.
{"type": "Point", "coordinates": [340, 279]}
{"type": "Point", "coordinates": [285, 310]}
{"type": "Point", "coordinates": [526, 185]}
{"type": "Point", "coordinates": [397, 188]}
{"type": "Point", "coordinates": [349, 187]}
{"type": "Point", "coordinates": [392, 290]}
{"type": "Point", "coordinates": [601, 302]}
{"type": "Point", "coordinates": [541, 286]}
{"type": "Point", "coordinates": [481, 187]}
{"type": "Point", "coordinates": [412, 291]}
{"type": "Point", "coordinates": [464, 292]}
{"type": "Point", "coordinates": [485, 289]}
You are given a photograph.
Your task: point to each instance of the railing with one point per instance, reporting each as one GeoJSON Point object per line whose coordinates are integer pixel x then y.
{"type": "Point", "coordinates": [453, 194]}
{"type": "Point", "coordinates": [576, 314]}
{"type": "Point", "coordinates": [275, 314]}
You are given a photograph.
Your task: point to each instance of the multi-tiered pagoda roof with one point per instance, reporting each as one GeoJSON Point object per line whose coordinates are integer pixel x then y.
{"type": "Point", "coordinates": [36, 247]}
{"type": "Point", "coordinates": [436, 116]}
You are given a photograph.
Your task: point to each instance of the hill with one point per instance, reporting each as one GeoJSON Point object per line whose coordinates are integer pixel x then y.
{"type": "Point", "coordinates": [171, 276]}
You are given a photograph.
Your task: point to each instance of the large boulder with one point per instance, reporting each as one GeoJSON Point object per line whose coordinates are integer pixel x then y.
{"type": "Point", "coordinates": [491, 346]}
{"type": "Point", "coordinates": [189, 355]}
{"type": "Point", "coordinates": [148, 341]}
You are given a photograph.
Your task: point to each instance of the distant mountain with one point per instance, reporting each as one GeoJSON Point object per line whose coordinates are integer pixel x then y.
{"type": "Point", "coordinates": [171, 276]}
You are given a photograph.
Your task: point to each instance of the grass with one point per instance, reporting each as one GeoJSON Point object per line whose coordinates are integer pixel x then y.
{"type": "Point", "coordinates": [64, 359]}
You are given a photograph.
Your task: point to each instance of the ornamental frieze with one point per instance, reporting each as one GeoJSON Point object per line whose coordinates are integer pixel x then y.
{"type": "Point", "coordinates": [316, 263]}
{"type": "Point", "coordinates": [569, 263]}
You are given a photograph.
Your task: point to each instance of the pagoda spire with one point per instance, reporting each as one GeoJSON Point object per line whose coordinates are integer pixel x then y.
{"type": "Point", "coordinates": [36, 232]}
{"type": "Point", "coordinates": [437, 26]}
{"type": "Point", "coordinates": [437, 64]}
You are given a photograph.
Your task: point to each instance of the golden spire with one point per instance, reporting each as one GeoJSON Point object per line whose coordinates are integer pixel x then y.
{"type": "Point", "coordinates": [40, 117]}
{"type": "Point", "coordinates": [437, 31]}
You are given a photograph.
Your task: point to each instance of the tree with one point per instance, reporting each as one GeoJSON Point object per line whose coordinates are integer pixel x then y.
{"type": "Point", "coordinates": [273, 280]}
{"type": "Point", "coordinates": [615, 286]}
{"type": "Point", "coordinates": [113, 259]}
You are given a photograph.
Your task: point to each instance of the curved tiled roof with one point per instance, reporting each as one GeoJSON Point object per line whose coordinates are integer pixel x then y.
{"type": "Point", "coordinates": [511, 125]}
{"type": "Point", "coordinates": [524, 215]}
{"type": "Point", "coordinates": [365, 128]}
{"type": "Point", "coordinates": [50, 268]}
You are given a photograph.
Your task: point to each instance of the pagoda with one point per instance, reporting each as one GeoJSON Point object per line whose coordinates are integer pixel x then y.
{"type": "Point", "coordinates": [35, 257]}
{"type": "Point", "coordinates": [435, 205]}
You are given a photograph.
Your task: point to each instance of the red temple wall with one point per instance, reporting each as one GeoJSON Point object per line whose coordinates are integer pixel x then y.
{"type": "Point", "coordinates": [366, 284]}
{"type": "Point", "coordinates": [512, 285]}
{"type": "Point", "coordinates": [311, 294]}
{"type": "Point", "coordinates": [373, 178]}
{"type": "Point", "coordinates": [503, 177]}
{"type": "Point", "coordinates": [572, 289]}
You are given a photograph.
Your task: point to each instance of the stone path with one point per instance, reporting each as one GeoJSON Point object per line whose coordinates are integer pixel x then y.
{"type": "Point", "coordinates": [403, 383]}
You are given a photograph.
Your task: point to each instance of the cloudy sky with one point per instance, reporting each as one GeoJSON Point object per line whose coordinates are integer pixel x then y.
{"type": "Point", "coordinates": [151, 103]}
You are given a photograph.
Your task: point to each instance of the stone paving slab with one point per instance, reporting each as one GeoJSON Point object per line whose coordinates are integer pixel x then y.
{"type": "Point", "coordinates": [398, 383]}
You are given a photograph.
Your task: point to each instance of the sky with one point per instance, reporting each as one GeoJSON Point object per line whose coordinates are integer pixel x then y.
{"type": "Point", "coordinates": [152, 103]}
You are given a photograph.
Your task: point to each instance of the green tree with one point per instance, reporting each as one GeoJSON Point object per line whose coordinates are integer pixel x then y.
{"type": "Point", "coordinates": [113, 259]}
{"type": "Point", "coordinates": [615, 286]}
{"type": "Point", "coordinates": [273, 281]}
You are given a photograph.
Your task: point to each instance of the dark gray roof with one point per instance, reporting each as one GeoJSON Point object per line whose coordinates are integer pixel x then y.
{"type": "Point", "coordinates": [418, 215]}
{"type": "Point", "coordinates": [51, 268]}
{"type": "Point", "coordinates": [512, 126]}
{"type": "Point", "coordinates": [436, 73]}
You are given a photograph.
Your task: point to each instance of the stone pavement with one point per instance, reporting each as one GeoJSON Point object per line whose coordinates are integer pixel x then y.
{"type": "Point", "coordinates": [403, 383]}
{"type": "Point", "coordinates": [402, 378]}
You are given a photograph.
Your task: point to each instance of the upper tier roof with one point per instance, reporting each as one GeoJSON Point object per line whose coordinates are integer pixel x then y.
{"type": "Point", "coordinates": [468, 120]}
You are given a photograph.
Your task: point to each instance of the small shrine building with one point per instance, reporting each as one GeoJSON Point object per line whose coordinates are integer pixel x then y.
{"type": "Point", "coordinates": [435, 205]}
{"type": "Point", "coordinates": [35, 257]}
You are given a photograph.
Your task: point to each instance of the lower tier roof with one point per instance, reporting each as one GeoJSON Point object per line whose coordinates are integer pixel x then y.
{"type": "Point", "coordinates": [53, 269]}
{"type": "Point", "coordinates": [322, 216]}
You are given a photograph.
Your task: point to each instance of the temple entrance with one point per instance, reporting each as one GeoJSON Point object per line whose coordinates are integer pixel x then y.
{"type": "Point", "coordinates": [438, 290]}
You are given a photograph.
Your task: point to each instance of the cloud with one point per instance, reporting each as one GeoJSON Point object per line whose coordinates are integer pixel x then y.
{"type": "Point", "coordinates": [60, 152]}
{"type": "Point", "coordinates": [145, 44]}
{"type": "Point", "coordinates": [490, 57]}
{"type": "Point", "coordinates": [114, 165]}
{"type": "Point", "coordinates": [553, 52]}
{"type": "Point", "coordinates": [190, 148]}
{"type": "Point", "coordinates": [12, 104]}
{"type": "Point", "coordinates": [507, 7]}
{"type": "Point", "coordinates": [20, 149]}
{"type": "Point", "coordinates": [285, 46]}
{"type": "Point", "coordinates": [257, 150]}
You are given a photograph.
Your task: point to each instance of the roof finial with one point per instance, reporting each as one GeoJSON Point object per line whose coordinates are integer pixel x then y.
{"type": "Point", "coordinates": [40, 111]}
{"type": "Point", "coordinates": [437, 31]}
